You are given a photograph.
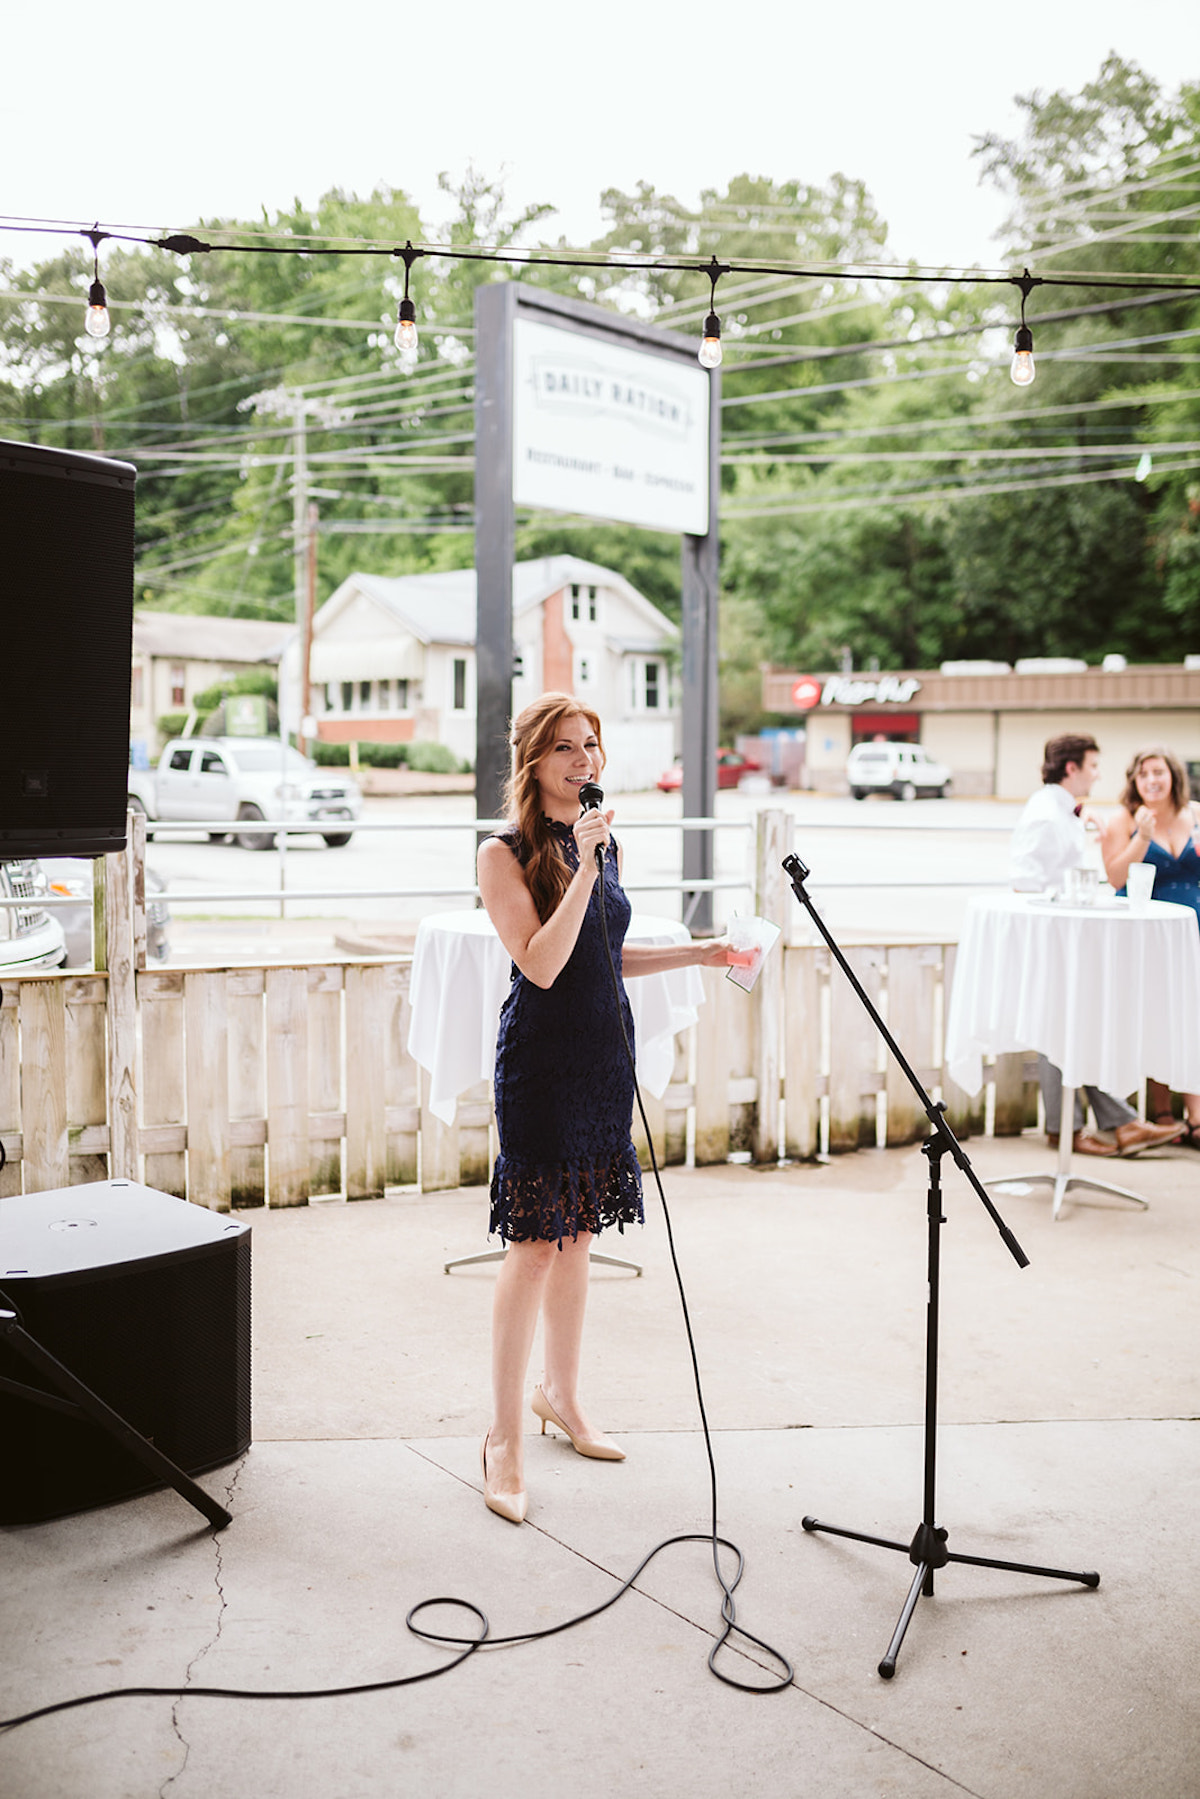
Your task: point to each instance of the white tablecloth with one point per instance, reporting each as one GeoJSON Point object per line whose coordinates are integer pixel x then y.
{"type": "Point", "coordinates": [460, 979]}
{"type": "Point", "coordinates": [1109, 995]}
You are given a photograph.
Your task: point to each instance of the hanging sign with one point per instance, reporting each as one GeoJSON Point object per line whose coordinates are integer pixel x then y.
{"type": "Point", "coordinates": [608, 431]}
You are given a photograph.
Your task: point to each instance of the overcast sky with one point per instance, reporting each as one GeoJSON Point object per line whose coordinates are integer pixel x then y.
{"type": "Point", "coordinates": [152, 114]}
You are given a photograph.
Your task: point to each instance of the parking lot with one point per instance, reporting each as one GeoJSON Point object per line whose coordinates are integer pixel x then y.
{"type": "Point", "coordinates": [878, 868]}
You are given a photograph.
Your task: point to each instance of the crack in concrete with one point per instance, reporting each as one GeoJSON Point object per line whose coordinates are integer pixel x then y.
{"type": "Point", "coordinates": [222, 1604]}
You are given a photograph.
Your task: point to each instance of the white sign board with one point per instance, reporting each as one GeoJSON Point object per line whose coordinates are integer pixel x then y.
{"type": "Point", "coordinates": [608, 431]}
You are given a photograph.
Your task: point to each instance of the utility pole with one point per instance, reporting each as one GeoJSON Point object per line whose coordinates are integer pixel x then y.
{"type": "Point", "coordinates": [292, 403]}
{"type": "Point", "coordinates": [306, 634]}
{"type": "Point", "coordinates": [300, 514]}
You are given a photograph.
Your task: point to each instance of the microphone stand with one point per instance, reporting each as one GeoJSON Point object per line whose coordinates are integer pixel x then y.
{"type": "Point", "coordinates": [927, 1550]}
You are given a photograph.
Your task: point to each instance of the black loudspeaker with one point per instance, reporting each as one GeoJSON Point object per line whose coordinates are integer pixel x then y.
{"type": "Point", "coordinates": [66, 573]}
{"type": "Point", "coordinates": [146, 1300]}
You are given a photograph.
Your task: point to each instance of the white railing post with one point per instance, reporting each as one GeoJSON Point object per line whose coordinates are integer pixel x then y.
{"type": "Point", "coordinates": [773, 841]}
{"type": "Point", "coordinates": [118, 950]}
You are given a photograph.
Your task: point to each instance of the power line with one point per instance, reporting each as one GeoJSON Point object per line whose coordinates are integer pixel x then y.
{"type": "Point", "coordinates": [819, 458]}
{"type": "Point", "coordinates": [965, 422]}
{"type": "Point", "coordinates": [878, 497]}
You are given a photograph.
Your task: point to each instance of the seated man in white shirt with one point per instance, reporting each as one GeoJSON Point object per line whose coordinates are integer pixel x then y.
{"type": "Point", "coordinates": [1050, 838]}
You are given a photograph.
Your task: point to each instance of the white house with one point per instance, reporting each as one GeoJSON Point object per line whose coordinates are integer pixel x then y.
{"type": "Point", "coordinates": [393, 660]}
{"type": "Point", "coordinates": [176, 655]}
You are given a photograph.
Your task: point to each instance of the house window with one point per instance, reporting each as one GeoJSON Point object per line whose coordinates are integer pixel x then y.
{"type": "Point", "coordinates": [518, 666]}
{"type": "Point", "coordinates": [460, 684]}
{"type": "Point", "coordinates": [591, 605]}
{"type": "Point", "coordinates": [347, 696]}
{"type": "Point", "coordinates": [178, 677]}
{"type": "Point", "coordinates": [649, 685]}
{"type": "Point", "coordinates": [364, 696]}
{"type": "Point", "coordinates": [330, 701]}
{"type": "Point", "coordinates": [385, 696]}
{"type": "Point", "coordinates": [585, 671]}
{"type": "Point", "coordinates": [402, 696]}
{"type": "Point", "coordinates": [575, 602]}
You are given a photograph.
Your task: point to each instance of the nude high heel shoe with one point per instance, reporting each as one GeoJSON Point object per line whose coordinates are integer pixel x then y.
{"type": "Point", "coordinates": [598, 1448]}
{"type": "Point", "coordinates": [505, 1505]}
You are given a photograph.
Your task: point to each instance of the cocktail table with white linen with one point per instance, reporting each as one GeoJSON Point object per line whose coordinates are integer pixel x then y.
{"type": "Point", "coordinates": [1108, 994]}
{"type": "Point", "coordinates": [461, 974]}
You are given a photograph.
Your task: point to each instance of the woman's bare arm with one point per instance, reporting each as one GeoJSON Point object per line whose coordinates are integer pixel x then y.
{"type": "Point", "coordinates": [661, 958]}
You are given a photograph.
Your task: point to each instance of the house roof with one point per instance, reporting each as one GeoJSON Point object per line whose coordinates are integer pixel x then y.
{"type": "Point", "coordinates": [199, 637]}
{"type": "Point", "coordinates": [440, 608]}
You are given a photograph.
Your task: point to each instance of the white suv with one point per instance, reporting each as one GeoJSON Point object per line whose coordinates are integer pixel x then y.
{"type": "Point", "coordinates": [901, 769]}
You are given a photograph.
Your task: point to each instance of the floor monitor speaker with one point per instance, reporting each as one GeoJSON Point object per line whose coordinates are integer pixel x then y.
{"type": "Point", "coordinates": [146, 1300]}
{"type": "Point", "coordinates": [66, 549]}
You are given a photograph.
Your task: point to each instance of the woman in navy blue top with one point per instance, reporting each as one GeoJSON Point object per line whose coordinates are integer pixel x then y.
{"type": "Point", "coordinates": [563, 1084]}
{"type": "Point", "coordinates": [1157, 824]}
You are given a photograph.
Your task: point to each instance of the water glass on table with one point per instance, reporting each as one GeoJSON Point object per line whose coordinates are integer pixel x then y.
{"type": "Point", "coordinates": [1081, 886]}
{"type": "Point", "coordinates": [1139, 885]}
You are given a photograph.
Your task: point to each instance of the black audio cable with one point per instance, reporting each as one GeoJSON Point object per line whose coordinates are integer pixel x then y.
{"type": "Point", "coordinates": [467, 1646]}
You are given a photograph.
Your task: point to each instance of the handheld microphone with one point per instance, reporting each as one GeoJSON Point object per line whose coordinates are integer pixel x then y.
{"type": "Point", "coordinates": [591, 798]}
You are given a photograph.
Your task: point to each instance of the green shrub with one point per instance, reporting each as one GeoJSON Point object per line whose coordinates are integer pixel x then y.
{"type": "Point", "coordinates": [423, 758]}
{"type": "Point", "coordinates": [432, 759]}
{"type": "Point", "coordinates": [255, 680]}
{"type": "Point", "coordinates": [383, 755]}
{"type": "Point", "coordinates": [171, 723]}
{"type": "Point", "coordinates": [370, 755]}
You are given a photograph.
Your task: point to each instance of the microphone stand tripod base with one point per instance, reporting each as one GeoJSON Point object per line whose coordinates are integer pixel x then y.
{"type": "Point", "coordinates": [928, 1549]}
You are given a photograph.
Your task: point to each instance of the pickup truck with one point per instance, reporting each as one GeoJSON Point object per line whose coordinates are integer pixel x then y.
{"type": "Point", "coordinates": [245, 780]}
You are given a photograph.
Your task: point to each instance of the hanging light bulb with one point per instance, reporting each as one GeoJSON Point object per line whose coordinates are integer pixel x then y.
{"type": "Point", "coordinates": [1022, 369]}
{"type": "Point", "coordinates": [96, 321]}
{"type": "Point", "coordinates": [405, 336]}
{"type": "Point", "coordinates": [710, 351]}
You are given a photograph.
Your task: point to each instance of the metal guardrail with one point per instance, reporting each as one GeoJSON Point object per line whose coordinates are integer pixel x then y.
{"type": "Point", "coordinates": [283, 828]}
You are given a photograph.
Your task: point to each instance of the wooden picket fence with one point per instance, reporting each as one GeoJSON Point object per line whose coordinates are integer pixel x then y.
{"type": "Point", "coordinates": [246, 1086]}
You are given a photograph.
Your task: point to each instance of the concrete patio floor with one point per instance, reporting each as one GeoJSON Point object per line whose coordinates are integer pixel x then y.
{"type": "Point", "coordinates": [1070, 1437]}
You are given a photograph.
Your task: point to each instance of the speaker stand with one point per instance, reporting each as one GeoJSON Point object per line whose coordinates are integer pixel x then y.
{"type": "Point", "coordinates": [76, 1401]}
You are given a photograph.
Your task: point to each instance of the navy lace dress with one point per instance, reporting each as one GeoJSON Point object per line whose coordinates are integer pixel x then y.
{"type": "Point", "coordinates": [564, 1088]}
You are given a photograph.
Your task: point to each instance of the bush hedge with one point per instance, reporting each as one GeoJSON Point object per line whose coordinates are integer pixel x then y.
{"type": "Point", "coordinates": [422, 758]}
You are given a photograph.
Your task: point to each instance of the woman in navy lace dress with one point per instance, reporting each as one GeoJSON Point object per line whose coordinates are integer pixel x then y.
{"type": "Point", "coordinates": [563, 1087]}
{"type": "Point", "coordinates": [1156, 823]}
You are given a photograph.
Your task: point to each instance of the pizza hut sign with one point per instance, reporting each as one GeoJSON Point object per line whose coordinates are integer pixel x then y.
{"type": "Point", "coordinates": [848, 690]}
{"type": "Point", "coordinates": [805, 693]}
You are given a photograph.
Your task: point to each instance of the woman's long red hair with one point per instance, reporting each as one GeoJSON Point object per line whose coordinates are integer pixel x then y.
{"type": "Point", "coordinates": [535, 731]}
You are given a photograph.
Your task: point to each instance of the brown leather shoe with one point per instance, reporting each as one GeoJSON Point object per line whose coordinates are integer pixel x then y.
{"type": "Point", "coordinates": [1135, 1136]}
{"type": "Point", "coordinates": [1085, 1144]}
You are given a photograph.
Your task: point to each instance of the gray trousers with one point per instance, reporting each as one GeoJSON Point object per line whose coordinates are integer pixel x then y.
{"type": "Point", "coordinates": [1109, 1111]}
